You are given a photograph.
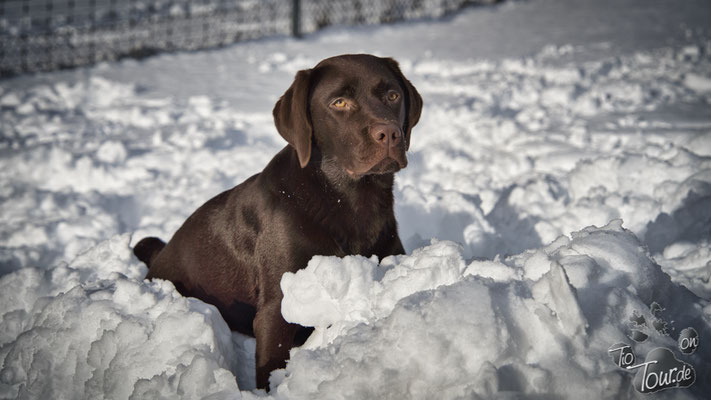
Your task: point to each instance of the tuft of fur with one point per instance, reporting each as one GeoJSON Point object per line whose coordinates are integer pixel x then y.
{"type": "Point", "coordinates": [147, 249]}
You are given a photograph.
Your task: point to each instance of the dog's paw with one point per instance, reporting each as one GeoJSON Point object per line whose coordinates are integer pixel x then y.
{"type": "Point", "coordinates": [638, 324]}
{"type": "Point", "coordinates": [640, 328]}
{"type": "Point", "coordinates": [660, 369]}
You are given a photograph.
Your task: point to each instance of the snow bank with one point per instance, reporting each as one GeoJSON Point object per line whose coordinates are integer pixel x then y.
{"type": "Point", "coordinates": [425, 325]}
{"type": "Point", "coordinates": [94, 329]}
{"type": "Point", "coordinates": [430, 326]}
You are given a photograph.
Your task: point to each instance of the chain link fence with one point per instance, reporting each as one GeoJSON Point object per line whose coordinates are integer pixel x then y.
{"type": "Point", "coordinates": [42, 35]}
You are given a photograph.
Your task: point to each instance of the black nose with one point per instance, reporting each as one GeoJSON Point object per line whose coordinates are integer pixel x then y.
{"type": "Point", "coordinates": [388, 134]}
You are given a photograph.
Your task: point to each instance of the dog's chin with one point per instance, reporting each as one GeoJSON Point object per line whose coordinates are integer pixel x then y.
{"type": "Point", "coordinates": [388, 165]}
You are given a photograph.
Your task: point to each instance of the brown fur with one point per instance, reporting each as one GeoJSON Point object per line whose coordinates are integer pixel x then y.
{"type": "Point", "coordinates": [329, 192]}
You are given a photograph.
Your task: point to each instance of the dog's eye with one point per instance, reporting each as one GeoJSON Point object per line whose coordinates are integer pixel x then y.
{"type": "Point", "coordinates": [393, 96]}
{"type": "Point", "coordinates": [339, 103]}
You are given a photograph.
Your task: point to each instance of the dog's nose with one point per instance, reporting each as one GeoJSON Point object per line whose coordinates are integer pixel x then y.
{"type": "Point", "coordinates": [388, 134]}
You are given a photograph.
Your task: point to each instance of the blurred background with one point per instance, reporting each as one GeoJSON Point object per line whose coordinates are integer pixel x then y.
{"type": "Point", "coordinates": [44, 35]}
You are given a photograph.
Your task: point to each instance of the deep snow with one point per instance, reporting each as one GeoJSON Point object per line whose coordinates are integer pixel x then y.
{"type": "Point", "coordinates": [541, 119]}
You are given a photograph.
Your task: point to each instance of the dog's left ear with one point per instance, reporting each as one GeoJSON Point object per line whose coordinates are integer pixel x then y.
{"type": "Point", "coordinates": [292, 119]}
{"type": "Point", "coordinates": [413, 102]}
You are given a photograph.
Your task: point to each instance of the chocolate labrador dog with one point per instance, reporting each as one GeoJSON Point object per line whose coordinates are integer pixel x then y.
{"type": "Point", "coordinates": [329, 192]}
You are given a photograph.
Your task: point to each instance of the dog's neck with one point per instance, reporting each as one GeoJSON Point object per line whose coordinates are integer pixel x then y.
{"type": "Point", "coordinates": [353, 211]}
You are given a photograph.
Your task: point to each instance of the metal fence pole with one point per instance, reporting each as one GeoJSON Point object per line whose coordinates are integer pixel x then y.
{"type": "Point", "coordinates": [296, 18]}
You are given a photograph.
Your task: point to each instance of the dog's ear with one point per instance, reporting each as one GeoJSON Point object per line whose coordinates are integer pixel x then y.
{"type": "Point", "coordinates": [292, 119]}
{"type": "Point", "coordinates": [413, 102]}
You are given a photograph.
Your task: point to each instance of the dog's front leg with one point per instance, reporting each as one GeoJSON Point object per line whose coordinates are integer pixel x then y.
{"type": "Point", "coordinates": [275, 337]}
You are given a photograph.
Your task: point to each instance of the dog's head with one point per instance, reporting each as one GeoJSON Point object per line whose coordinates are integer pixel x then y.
{"type": "Point", "coordinates": [358, 110]}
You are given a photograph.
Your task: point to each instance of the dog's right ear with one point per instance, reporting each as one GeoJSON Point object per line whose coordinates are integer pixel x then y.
{"type": "Point", "coordinates": [292, 119]}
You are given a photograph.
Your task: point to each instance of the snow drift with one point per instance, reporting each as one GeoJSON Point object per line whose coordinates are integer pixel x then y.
{"type": "Point", "coordinates": [93, 329]}
{"type": "Point", "coordinates": [430, 325]}
{"type": "Point", "coordinates": [417, 326]}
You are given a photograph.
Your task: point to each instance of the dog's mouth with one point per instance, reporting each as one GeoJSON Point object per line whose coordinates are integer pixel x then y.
{"type": "Point", "coordinates": [386, 165]}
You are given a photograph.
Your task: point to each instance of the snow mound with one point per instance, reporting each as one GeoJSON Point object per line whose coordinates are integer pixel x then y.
{"type": "Point", "coordinates": [94, 329]}
{"type": "Point", "coordinates": [425, 325]}
{"type": "Point", "coordinates": [428, 325]}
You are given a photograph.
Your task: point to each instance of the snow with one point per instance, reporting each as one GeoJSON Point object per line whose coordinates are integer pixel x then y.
{"type": "Point", "coordinates": [85, 329]}
{"type": "Point", "coordinates": [559, 182]}
{"type": "Point", "coordinates": [456, 332]}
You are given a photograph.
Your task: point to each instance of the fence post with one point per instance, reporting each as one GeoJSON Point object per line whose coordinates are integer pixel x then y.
{"type": "Point", "coordinates": [296, 18]}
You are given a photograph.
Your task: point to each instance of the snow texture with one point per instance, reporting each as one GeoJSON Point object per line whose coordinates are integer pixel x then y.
{"type": "Point", "coordinates": [559, 184]}
{"type": "Point", "coordinates": [470, 331]}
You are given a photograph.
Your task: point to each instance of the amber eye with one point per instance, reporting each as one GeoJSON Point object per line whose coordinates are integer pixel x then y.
{"type": "Point", "coordinates": [392, 96]}
{"type": "Point", "coordinates": [339, 103]}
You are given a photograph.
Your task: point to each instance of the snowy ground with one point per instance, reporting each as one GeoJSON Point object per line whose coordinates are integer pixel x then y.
{"type": "Point", "coordinates": [541, 119]}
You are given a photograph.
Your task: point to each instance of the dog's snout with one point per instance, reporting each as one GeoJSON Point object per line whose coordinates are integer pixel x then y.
{"type": "Point", "coordinates": [388, 134]}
